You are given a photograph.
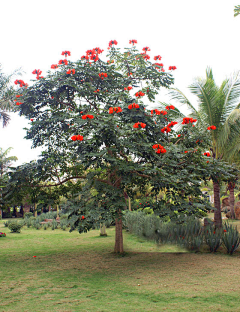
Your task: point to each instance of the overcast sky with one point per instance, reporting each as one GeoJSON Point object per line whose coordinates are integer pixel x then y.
{"type": "Point", "coordinates": [191, 35]}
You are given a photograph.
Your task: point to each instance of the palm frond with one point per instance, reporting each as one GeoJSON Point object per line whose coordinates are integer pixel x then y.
{"type": "Point", "coordinates": [4, 118]}
{"type": "Point", "coordinates": [236, 10]}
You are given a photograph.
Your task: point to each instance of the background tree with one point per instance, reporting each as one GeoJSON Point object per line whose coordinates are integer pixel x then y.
{"type": "Point", "coordinates": [5, 167]}
{"type": "Point", "coordinates": [91, 117]}
{"type": "Point", "coordinates": [218, 114]}
{"type": "Point", "coordinates": [7, 97]}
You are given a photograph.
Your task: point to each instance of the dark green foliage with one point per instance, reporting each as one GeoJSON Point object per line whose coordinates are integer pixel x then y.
{"type": "Point", "coordinates": [213, 237]}
{"type": "Point", "coordinates": [15, 227]}
{"type": "Point", "coordinates": [28, 215]}
{"type": "Point", "coordinates": [230, 238]}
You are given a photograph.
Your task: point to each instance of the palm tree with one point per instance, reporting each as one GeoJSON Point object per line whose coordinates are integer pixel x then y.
{"type": "Point", "coordinates": [6, 97]}
{"type": "Point", "coordinates": [217, 106]}
{"type": "Point", "coordinates": [5, 163]}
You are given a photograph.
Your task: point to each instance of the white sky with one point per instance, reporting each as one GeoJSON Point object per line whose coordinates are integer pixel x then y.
{"type": "Point", "coordinates": [188, 34]}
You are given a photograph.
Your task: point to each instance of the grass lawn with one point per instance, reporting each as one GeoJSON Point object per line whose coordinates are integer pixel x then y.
{"type": "Point", "coordinates": [73, 272]}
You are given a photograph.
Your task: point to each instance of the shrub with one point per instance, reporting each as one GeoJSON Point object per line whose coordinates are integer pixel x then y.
{"type": "Point", "coordinates": [15, 227]}
{"type": "Point", "coordinates": [45, 226]}
{"type": "Point", "coordinates": [6, 223]}
{"type": "Point", "coordinates": [213, 237]}
{"type": "Point", "coordinates": [2, 234]}
{"type": "Point", "coordinates": [27, 215]}
{"type": "Point", "coordinates": [230, 238]}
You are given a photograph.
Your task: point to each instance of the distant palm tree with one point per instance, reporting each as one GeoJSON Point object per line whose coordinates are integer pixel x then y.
{"type": "Point", "coordinates": [7, 93]}
{"type": "Point", "coordinates": [5, 163]}
{"type": "Point", "coordinates": [217, 106]}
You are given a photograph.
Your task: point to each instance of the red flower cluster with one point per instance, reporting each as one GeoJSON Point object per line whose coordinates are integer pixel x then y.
{"type": "Point", "coordinates": [132, 41]}
{"type": "Point", "coordinates": [143, 125]}
{"type": "Point", "coordinates": [18, 95]}
{"type": "Point", "coordinates": [85, 57]}
{"type": "Point", "coordinates": [54, 66]}
{"type": "Point", "coordinates": [109, 62]}
{"type": "Point", "coordinates": [63, 62]}
{"type": "Point", "coordinates": [133, 105]}
{"type": "Point", "coordinates": [158, 112]}
{"type": "Point", "coordinates": [2, 234]}
{"type": "Point", "coordinates": [160, 148]}
{"type": "Point", "coordinates": [167, 129]}
{"type": "Point", "coordinates": [96, 91]}
{"type": "Point", "coordinates": [70, 71]}
{"type": "Point", "coordinates": [87, 116]}
{"type": "Point", "coordinates": [18, 103]}
{"type": "Point", "coordinates": [212, 127]}
{"type": "Point", "coordinates": [170, 107]}
{"type": "Point", "coordinates": [98, 50]}
{"type": "Point", "coordinates": [139, 94]}
{"type": "Point", "coordinates": [145, 56]}
{"type": "Point", "coordinates": [102, 75]}
{"type": "Point", "coordinates": [172, 123]}
{"type": "Point", "coordinates": [207, 154]}
{"type": "Point", "coordinates": [115, 109]}
{"type": "Point", "coordinates": [21, 83]}
{"type": "Point", "coordinates": [112, 42]}
{"type": "Point", "coordinates": [158, 65]}
{"type": "Point", "coordinates": [186, 120]}
{"type": "Point", "coordinates": [66, 53]}
{"type": "Point", "coordinates": [146, 49]}
{"type": "Point", "coordinates": [157, 57]}
{"type": "Point", "coordinates": [77, 137]}
{"type": "Point", "coordinates": [37, 72]}
{"type": "Point", "coordinates": [172, 67]}
{"type": "Point", "coordinates": [128, 88]}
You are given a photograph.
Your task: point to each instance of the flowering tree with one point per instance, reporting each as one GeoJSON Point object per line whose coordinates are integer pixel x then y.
{"type": "Point", "coordinates": [92, 117]}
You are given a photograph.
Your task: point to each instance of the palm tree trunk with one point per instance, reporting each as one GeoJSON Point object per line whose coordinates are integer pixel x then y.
{"type": "Point", "coordinates": [231, 186]}
{"type": "Point", "coordinates": [217, 212]}
{"type": "Point", "coordinates": [118, 235]}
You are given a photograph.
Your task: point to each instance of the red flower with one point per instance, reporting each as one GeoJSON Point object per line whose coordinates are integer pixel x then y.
{"type": "Point", "coordinates": [214, 232]}
{"type": "Point", "coordinates": [179, 135]}
{"type": "Point", "coordinates": [37, 72]}
{"type": "Point", "coordinates": [63, 62]}
{"type": "Point", "coordinates": [146, 49]}
{"type": "Point", "coordinates": [18, 103]}
{"type": "Point", "coordinates": [97, 91]}
{"type": "Point", "coordinates": [91, 52]}
{"type": "Point", "coordinates": [128, 88]}
{"type": "Point", "coordinates": [94, 57]}
{"type": "Point", "coordinates": [186, 152]}
{"type": "Point", "coordinates": [31, 119]}
{"type": "Point", "coordinates": [134, 105]}
{"type": "Point", "coordinates": [102, 75]}
{"type": "Point", "coordinates": [85, 57]}
{"type": "Point", "coordinates": [70, 71]}
{"type": "Point", "coordinates": [132, 41]}
{"type": "Point", "coordinates": [90, 116]}
{"type": "Point", "coordinates": [207, 154]}
{"type": "Point", "coordinates": [143, 125]}
{"type": "Point", "coordinates": [109, 62]}
{"type": "Point", "coordinates": [172, 67]}
{"type": "Point", "coordinates": [145, 56]}
{"type": "Point", "coordinates": [83, 218]}
{"type": "Point", "coordinates": [112, 42]}
{"type": "Point", "coordinates": [54, 66]}
{"type": "Point", "coordinates": [20, 82]}
{"type": "Point", "coordinates": [186, 120]}
{"type": "Point", "coordinates": [34, 256]}
{"type": "Point", "coordinates": [115, 109]}
{"type": "Point", "coordinates": [66, 53]}
{"type": "Point", "coordinates": [225, 230]}
{"type": "Point", "coordinates": [79, 137]}
{"type": "Point", "coordinates": [74, 137]}
{"type": "Point", "coordinates": [157, 57]}
{"type": "Point", "coordinates": [98, 50]}
{"type": "Point", "coordinates": [18, 95]}
{"type": "Point", "coordinates": [139, 94]}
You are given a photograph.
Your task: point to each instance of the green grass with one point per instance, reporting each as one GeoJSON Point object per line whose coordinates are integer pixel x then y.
{"type": "Point", "coordinates": [73, 272]}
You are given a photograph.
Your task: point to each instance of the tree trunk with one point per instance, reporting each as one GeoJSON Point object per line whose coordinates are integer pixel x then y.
{"type": "Point", "coordinates": [129, 204]}
{"type": "Point", "coordinates": [57, 211]}
{"type": "Point", "coordinates": [103, 229]}
{"type": "Point", "coordinates": [217, 205]}
{"type": "Point", "coordinates": [231, 198]}
{"type": "Point", "coordinates": [35, 210]}
{"type": "Point", "coordinates": [118, 235]}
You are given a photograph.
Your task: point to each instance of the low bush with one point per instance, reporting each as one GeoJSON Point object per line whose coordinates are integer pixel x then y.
{"type": "Point", "coordinates": [27, 215]}
{"type": "Point", "coordinates": [230, 238]}
{"type": "Point", "coordinates": [15, 227]}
